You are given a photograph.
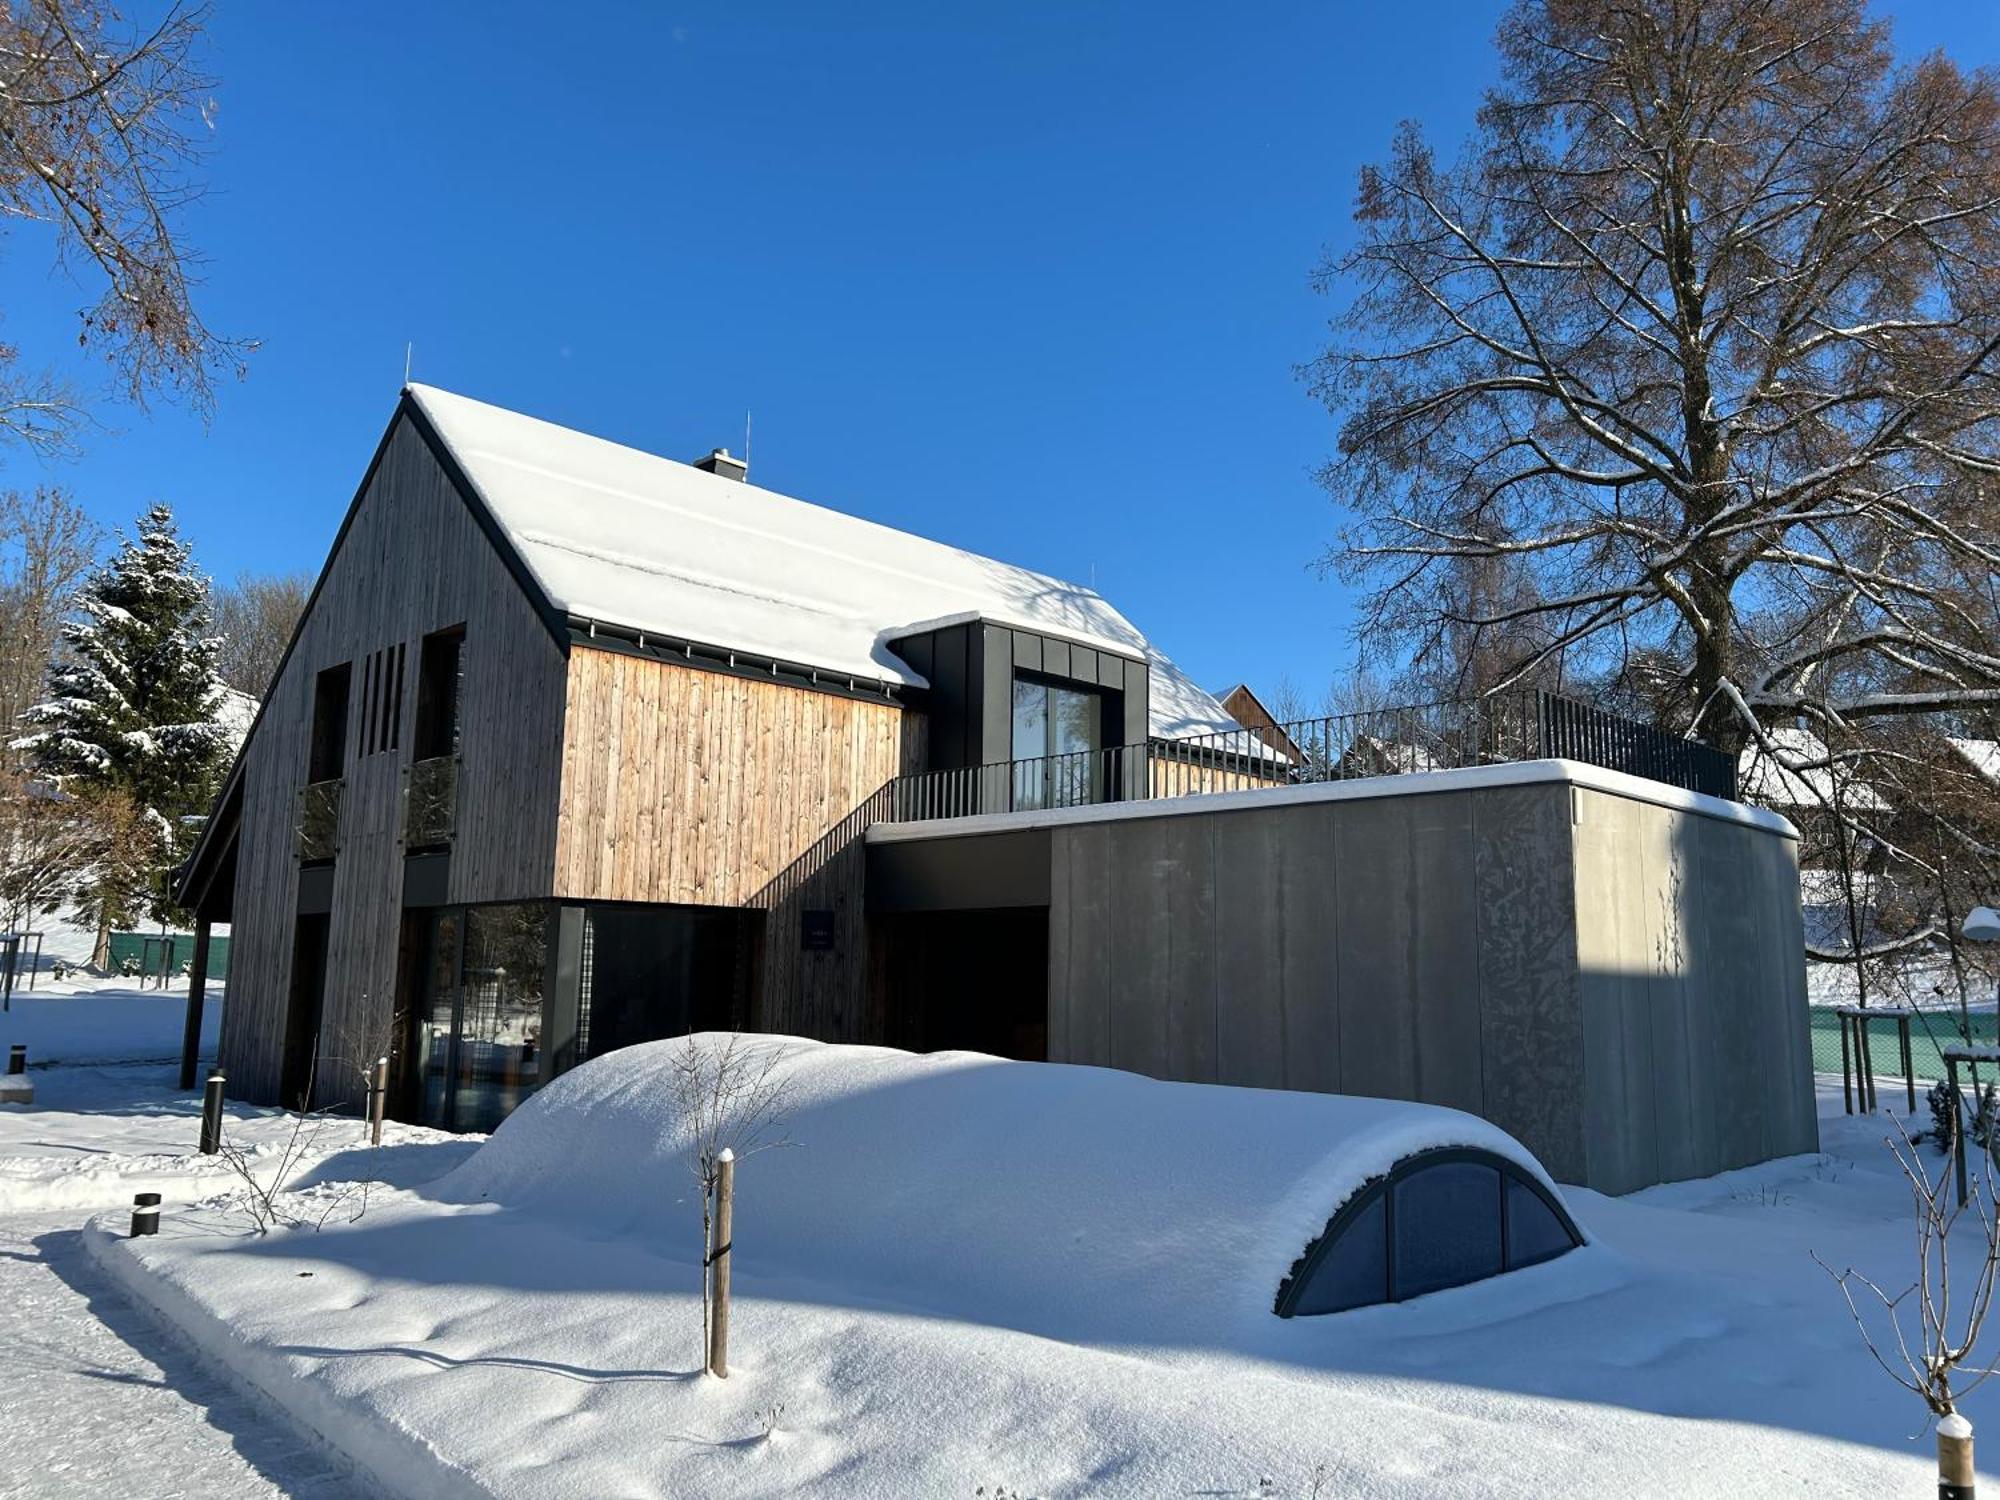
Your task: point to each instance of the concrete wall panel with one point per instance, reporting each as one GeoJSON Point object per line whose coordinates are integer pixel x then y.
{"type": "Point", "coordinates": [1618, 983]}
{"type": "Point", "coordinates": [1530, 1015]}
{"type": "Point", "coordinates": [1374, 912]}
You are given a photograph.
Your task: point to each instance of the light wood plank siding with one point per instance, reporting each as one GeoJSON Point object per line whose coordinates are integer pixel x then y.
{"type": "Point", "coordinates": [702, 788]}
{"type": "Point", "coordinates": [414, 559]}
{"type": "Point", "coordinates": [1179, 773]}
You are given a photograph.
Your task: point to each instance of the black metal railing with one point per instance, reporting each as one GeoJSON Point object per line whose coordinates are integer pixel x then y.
{"type": "Point", "coordinates": [430, 802]}
{"type": "Point", "coordinates": [1386, 742]}
{"type": "Point", "coordinates": [318, 821]}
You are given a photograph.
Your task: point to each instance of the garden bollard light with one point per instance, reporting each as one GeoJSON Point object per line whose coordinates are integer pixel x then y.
{"type": "Point", "coordinates": [145, 1214]}
{"type": "Point", "coordinates": [211, 1113]}
{"type": "Point", "coordinates": [14, 1086]}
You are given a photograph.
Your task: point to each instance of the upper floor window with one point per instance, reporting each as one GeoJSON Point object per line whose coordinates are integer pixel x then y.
{"type": "Point", "coordinates": [1057, 732]}
{"type": "Point", "coordinates": [438, 671]}
{"type": "Point", "coordinates": [326, 752]}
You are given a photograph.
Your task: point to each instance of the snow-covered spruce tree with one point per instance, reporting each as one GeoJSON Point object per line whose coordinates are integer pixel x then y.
{"type": "Point", "coordinates": [131, 712]}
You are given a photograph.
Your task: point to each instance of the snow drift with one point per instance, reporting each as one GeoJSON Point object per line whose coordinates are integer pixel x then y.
{"type": "Point", "coordinates": [1059, 1198]}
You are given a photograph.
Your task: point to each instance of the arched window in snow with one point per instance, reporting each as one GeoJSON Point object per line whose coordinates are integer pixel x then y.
{"type": "Point", "coordinates": [1438, 1219]}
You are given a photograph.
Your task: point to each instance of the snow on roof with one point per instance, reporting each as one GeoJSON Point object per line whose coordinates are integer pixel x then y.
{"type": "Point", "coordinates": [628, 538]}
{"type": "Point", "coordinates": [1982, 755]}
{"type": "Point", "coordinates": [1799, 775]}
{"type": "Point", "coordinates": [1092, 1199]}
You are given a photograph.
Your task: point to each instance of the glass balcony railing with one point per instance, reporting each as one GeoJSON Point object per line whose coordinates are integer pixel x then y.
{"type": "Point", "coordinates": [319, 821]}
{"type": "Point", "coordinates": [430, 803]}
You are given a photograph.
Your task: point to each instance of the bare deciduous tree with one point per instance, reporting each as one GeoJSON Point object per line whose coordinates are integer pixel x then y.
{"type": "Point", "coordinates": [1691, 357]}
{"type": "Point", "coordinates": [255, 617]}
{"type": "Point", "coordinates": [53, 847]}
{"type": "Point", "coordinates": [1925, 1334]}
{"type": "Point", "coordinates": [47, 548]}
{"type": "Point", "coordinates": [729, 1097]}
{"type": "Point", "coordinates": [100, 130]}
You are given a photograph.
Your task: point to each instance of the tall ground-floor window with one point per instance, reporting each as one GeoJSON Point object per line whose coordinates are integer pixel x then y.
{"type": "Point", "coordinates": [501, 998]}
{"type": "Point", "coordinates": [478, 1032]}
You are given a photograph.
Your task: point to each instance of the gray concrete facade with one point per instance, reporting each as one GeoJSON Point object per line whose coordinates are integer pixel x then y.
{"type": "Point", "coordinates": [1611, 971]}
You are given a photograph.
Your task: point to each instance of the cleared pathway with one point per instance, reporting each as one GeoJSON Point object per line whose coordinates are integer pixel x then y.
{"type": "Point", "coordinates": [95, 1400]}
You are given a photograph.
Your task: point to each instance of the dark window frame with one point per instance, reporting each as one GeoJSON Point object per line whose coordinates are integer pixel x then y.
{"type": "Point", "coordinates": [1382, 1187]}
{"type": "Point", "coordinates": [440, 722]}
{"type": "Point", "coordinates": [326, 742]}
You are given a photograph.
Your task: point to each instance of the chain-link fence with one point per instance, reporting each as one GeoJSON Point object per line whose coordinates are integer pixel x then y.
{"type": "Point", "coordinates": [1930, 1032]}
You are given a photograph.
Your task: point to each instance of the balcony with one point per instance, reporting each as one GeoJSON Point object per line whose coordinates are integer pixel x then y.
{"type": "Point", "coordinates": [430, 803]}
{"type": "Point", "coordinates": [1388, 742]}
{"type": "Point", "coordinates": [318, 822]}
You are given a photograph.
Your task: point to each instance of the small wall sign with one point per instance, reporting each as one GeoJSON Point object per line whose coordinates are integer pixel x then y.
{"type": "Point", "coordinates": [816, 930]}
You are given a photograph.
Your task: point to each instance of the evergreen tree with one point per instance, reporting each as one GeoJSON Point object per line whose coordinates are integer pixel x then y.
{"type": "Point", "coordinates": [131, 707]}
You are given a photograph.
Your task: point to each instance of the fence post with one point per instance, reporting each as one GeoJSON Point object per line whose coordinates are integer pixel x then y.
{"type": "Point", "coordinates": [1955, 1473]}
{"type": "Point", "coordinates": [725, 1212]}
{"type": "Point", "coordinates": [378, 1099]}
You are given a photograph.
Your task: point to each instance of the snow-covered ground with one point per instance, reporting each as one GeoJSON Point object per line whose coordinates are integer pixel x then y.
{"type": "Point", "coordinates": [84, 1020]}
{"type": "Point", "coordinates": [97, 1396]}
{"type": "Point", "coordinates": [529, 1324]}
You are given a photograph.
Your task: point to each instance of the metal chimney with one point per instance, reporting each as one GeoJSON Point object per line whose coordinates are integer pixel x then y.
{"type": "Point", "coordinates": [722, 462]}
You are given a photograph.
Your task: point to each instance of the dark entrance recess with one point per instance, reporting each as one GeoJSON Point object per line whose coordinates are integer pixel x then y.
{"type": "Point", "coordinates": [976, 981]}
{"type": "Point", "coordinates": [303, 1009]}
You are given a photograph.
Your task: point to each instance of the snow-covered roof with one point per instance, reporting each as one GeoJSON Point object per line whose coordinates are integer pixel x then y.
{"type": "Point", "coordinates": [1799, 775]}
{"type": "Point", "coordinates": [1087, 1198]}
{"type": "Point", "coordinates": [1982, 755]}
{"type": "Point", "coordinates": [635, 540]}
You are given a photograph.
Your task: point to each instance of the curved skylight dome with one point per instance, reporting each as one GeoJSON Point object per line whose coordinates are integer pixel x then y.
{"type": "Point", "coordinates": [1437, 1219]}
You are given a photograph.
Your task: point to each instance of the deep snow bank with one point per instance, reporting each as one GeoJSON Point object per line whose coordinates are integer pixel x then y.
{"type": "Point", "coordinates": [1041, 1195]}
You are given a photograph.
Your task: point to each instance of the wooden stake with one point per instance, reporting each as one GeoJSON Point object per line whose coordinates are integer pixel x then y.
{"type": "Point", "coordinates": [1955, 1475]}
{"type": "Point", "coordinates": [378, 1099]}
{"type": "Point", "coordinates": [725, 1208]}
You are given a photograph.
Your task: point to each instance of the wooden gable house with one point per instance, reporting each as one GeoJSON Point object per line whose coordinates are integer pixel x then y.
{"type": "Point", "coordinates": [573, 747]}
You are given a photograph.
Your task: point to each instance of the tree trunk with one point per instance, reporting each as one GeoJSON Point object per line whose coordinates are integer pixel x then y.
{"type": "Point", "coordinates": [100, 952]}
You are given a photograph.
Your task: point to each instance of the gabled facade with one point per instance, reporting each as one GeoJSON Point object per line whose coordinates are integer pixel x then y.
{"type": "Point", "coordinates": [572, 748]}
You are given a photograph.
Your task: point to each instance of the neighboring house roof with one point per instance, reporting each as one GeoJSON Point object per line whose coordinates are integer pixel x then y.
{"type": "Point", "coordinates": [630, 539]}
{"type": "Point", "coordinates": [1798, 775]}
{"type": "Point", "coordinates": [1982, 755]}
{"type": "Point", "coordinates": [1247, 709]}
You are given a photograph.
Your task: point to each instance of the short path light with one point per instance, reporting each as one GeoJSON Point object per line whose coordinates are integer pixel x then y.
{"type": "Point", "coordinates": [145, 1214]}
{"type": "Point", "coordinates": [211, 1113]}
{"type": "Point", "coordinates": [15, 1087]}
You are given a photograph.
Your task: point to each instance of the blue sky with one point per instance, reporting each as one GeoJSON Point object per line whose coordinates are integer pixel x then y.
{"type": "Point", "coordinates": [1030, 279]}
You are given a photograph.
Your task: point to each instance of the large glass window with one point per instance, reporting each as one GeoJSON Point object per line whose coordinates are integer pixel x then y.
{"type": "Point", "coordinates": [648, 972]}
{"type": "Point", "coordinates": [1436, 1220]}
{"type": "Point", "coordinates": [480, 1027]}
{"type": "Point", "coordinates": [1057, 734]}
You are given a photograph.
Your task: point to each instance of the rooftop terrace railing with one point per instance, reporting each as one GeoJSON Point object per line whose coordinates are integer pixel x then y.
{"type": "Point", "coordinates": [1386, 742]}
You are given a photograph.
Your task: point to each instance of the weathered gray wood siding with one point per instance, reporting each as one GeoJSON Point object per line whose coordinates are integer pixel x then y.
{"type": "Point", "coordinates": [414, 560]}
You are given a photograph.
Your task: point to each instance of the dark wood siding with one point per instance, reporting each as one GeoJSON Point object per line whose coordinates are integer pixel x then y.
{"type": "Point", "coordinates": [413, 559]}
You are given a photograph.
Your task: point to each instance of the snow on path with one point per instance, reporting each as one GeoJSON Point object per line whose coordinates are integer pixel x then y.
{"type": "Point", "coordinates": [96, 1400]}
{"type": "Point", "coordinates": [97, 1397]}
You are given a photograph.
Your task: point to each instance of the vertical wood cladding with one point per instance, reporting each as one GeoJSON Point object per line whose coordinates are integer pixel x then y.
{"type": "Point", "coordinates": [413, 559]}
{"type": "Point", "coordinates": [709, 789]}
{"type": "Point", "coordinates": [701, 787]}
